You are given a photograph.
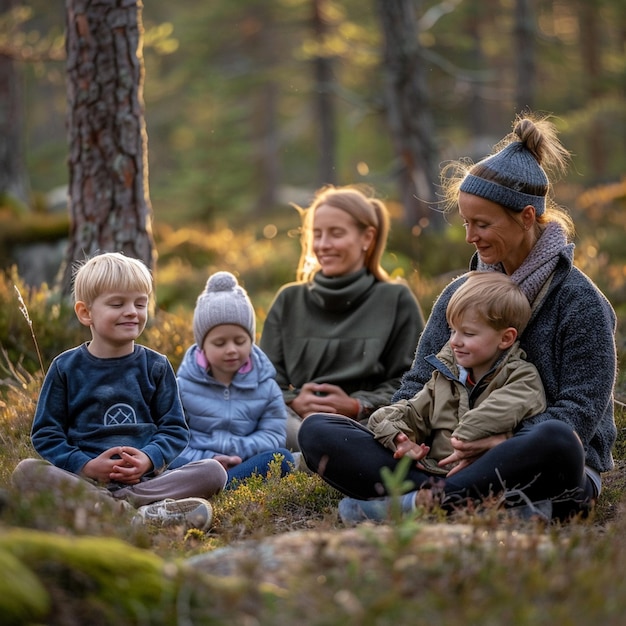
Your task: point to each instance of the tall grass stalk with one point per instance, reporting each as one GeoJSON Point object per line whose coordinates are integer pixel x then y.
{"type": "Point", "coordinates": [24, 311]}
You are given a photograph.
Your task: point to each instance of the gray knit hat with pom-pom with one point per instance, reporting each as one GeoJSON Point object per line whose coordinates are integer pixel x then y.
{"type": "Point", "coordinates": [512, 178]}
{"type": "Point", "coordinates": [223, 301]}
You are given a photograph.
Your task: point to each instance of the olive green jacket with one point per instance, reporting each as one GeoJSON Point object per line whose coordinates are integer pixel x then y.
{"type": "Point", "coordinates": [510, 392]}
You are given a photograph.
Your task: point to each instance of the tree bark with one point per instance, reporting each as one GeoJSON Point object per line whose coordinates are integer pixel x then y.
{"type": "Point", "coordinates": [592, 77]}
{"type": "Point", "coordinates": [265, 119]}
{"type": "Point", "coordinates": [13, 178]}
{"type": "Point", "coordinates": [262, 45]}
{"type": "Point", "coordinates": [476, 101]}
{"type": "Point", "coordinates": [408, 112]}
{"type": "Point", "coordinates": [525, 55]}
{"type": "Point", "coordinates": [325, 115]}
{"type": "Point", "coordinates": [108, 165]}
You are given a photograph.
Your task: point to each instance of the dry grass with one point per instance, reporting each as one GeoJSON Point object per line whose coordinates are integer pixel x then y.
{"type": "Point", "coordinates": [277, 552]}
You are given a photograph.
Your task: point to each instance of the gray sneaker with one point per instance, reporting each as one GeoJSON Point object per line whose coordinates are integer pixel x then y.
{"type": "Point", "coordinates": [193, 512]}
{"type": "Point", "coordinates": [353, 511]}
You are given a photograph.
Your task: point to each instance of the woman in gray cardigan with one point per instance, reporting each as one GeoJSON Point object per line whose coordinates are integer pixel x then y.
{"type": "Point", "coordinates": [558, 456]}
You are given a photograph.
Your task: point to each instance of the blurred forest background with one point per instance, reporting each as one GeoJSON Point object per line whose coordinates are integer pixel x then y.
{"type": "Point", "coordinates": [252, 105]}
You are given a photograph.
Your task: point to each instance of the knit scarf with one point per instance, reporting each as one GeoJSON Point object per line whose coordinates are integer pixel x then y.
{"type": "Point", "coordinates": [538, 266]}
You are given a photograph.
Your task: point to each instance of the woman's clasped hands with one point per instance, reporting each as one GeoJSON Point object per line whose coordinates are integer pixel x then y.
{"type": "Point", "coordinates": [324, 398]}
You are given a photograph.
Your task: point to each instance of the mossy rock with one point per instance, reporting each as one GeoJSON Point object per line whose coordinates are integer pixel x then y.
{"type": "Point", "coordinates": [63, 580]}
{"type": "Point", "coordinates": [101, 579]}
{"type": "Point", "coordinates": [23, 599]}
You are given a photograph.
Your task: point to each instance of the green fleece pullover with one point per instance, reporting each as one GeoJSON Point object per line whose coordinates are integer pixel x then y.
{"type": "Point", "coordinates": [353, 331]}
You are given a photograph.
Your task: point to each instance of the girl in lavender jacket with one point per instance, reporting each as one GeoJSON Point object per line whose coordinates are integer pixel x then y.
{"type": "Point", "coordinates": [233, 405]}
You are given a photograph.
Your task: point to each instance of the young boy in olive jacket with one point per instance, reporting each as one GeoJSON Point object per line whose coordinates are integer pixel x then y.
{"type": "Point", "coordinates": [481, 385]}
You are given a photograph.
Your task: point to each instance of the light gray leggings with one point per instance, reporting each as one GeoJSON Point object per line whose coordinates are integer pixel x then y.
{"type": "Point", "coordinates": [200, 479]}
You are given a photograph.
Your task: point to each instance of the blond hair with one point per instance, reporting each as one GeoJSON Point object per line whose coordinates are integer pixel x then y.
{"type": "Point", "coordinates": [108, 272]}
{"type": "Point", "coordinates": [366, 211]}
{"type": "Point", "coordinates": [494, 297]}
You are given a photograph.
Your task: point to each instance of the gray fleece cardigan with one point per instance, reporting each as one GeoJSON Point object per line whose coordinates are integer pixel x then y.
{"type": "Point", "coordinates": [570, 339]}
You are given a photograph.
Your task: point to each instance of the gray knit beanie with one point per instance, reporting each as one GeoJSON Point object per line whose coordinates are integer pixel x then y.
{"type": "Point", "coordinates": [223, 301]}
{"type": "Point", "coordinates": [512, 178]}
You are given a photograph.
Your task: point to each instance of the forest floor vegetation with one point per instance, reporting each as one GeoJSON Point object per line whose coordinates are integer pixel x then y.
{"type": "Point", "coordinates": [277, 552]}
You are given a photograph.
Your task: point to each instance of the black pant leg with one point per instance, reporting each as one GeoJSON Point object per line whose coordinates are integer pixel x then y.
{"type": "Point", "coordinates": [544, 460]}
{"type": "Point", "coordinates": [346, 455]}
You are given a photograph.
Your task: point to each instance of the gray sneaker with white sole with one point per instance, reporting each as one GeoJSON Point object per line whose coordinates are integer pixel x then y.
{"type": "Point", "coordinates": [192, 512]}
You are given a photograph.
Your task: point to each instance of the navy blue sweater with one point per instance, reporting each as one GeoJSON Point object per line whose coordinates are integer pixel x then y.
{"type": "Point", "coordinates": [88, 405]}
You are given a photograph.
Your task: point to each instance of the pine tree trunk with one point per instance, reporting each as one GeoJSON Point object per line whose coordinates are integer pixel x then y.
{"type": "Point", "coordinates": [592, 80]}
{"type": "Point", "coordinates": [108, 166]}
{"type": "Point", "coordinates": [408, 112]}
{"type": "Point", "coordinates": [525, 36]}
{"type": "Point", "coordinates": [13, 177]}
{"type": "Point", "coordinates": [324, 104]}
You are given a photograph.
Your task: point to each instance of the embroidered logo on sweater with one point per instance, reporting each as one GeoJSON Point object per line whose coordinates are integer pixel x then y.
{"type": "Point", "coordinates": [120, 414]}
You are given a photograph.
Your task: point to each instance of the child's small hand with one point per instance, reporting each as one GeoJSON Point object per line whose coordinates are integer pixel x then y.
{"type": "Point", "coordinates": [131, 467]}
{"type": "Point", "coordinates": [406, 447]}
{"type": "Point", "coordinates": [100, 467]}
{"type": "Point", "coordinates": [228, 461]}
{"type": "Point", "coordinates": [123, 464]}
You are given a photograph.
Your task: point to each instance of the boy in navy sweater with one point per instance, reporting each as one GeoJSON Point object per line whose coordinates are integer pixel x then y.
{"type": "Point", "coordinates": [109, 413]}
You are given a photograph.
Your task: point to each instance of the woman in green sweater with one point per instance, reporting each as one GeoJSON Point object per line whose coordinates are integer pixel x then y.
{"type": "Point", "coordinates": [343, 334]}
